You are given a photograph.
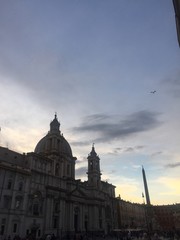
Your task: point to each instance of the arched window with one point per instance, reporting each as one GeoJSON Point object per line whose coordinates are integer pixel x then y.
{"type": "Point", "coordinates": [9, 185]}
{"type": "Point", "coordinates": [68, 169]}
{"type": "Point", "coordinates": [36, 209]}
{"type": "Point", "coordinates": [18, 202]}
{"type": "Point", "coordinates": [50, 143]}
{"type": "Point", "coordinates": [37, 204]}
{"type": "Point", "coordinates": [20, 186]}
{"type": "Point", "coordinates": [91, 165]}
{"type": "Point", "coordinates": [108, 212]}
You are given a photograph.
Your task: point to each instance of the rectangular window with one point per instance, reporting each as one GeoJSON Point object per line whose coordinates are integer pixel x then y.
{"type": "Point", "coordinates": [2, 230]}
{"type": "Point", "coordinates": [55, 222]}
{"type": "Point", "coordinates": [56, 207]}
{"type": "Point", "coordinates": [3, 221]}
{"type": "Point", "coordinates": [39, 233]}
{"type": "Point", "coordinates": [7, 202]}
{"type": "Point", "coordinates": [15, 228]}
{"type": "Point", "coordinates": [100, 223]}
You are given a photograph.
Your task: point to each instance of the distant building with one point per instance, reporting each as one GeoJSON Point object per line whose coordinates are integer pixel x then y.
{"type": "Point", "coordinates": [131, 215]}
{"type": "Point", "coordinates": [167, 218]}
{"type": "Point", "coordinates": [176, 4]}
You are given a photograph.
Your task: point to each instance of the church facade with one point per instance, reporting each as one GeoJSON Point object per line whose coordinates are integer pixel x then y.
{"type": "Point", "coordinates": [39, 194]}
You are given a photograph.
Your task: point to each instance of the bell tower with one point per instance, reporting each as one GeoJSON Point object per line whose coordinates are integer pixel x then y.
{"type": "Point", "coordinates": [94, 174]}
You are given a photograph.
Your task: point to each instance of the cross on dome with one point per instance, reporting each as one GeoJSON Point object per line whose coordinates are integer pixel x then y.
{"type": "Point", "coordinates": [54, 125]}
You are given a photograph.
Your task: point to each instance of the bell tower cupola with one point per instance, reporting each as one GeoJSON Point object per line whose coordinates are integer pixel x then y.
{"type": "Point", "coordinates": [55, 125]}
{"type": "Point", "coordinates": [94, 174]}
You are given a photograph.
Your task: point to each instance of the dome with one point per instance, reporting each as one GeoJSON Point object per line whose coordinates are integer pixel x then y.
{"type": "Point", "coordinates": [53, 142]}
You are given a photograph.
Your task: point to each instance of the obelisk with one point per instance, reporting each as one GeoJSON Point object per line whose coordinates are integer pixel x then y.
{"type": "Point", "coordinates": [146, 187]}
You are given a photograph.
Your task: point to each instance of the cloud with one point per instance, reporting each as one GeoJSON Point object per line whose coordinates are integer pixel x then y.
{"type": "Point", "coordinates": [112, 172]}
{"type": "Point", "coordinates": [82, 161]}
{"type": "Point", "coordinates": [156, 153]}
{"type": "Point", "coordinates": [81, 172]}
{"type": "Point", "coordinates": [81, 143]}
{"type": "Point", "coordinates": [108, 127]}
{"type": "Point", "coordinates": [140, 147]}
{"type": "Point", "coordinates": [129, 149]}
{"type": "Point", "coordinates": [115, 151]}
{"type": "Point", "coordinates": [118, 150]}
{"type": "Point", "coordinates": [136, 166]}
{"type": "Point", "coordinates": [173, 165]}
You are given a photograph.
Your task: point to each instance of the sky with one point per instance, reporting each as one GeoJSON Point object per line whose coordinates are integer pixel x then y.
{"type": "Point", "coordinates": [95, 63]}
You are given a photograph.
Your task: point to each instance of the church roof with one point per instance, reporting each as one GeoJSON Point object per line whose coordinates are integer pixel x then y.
{"type": "Point", "coordinates": [54, 142]}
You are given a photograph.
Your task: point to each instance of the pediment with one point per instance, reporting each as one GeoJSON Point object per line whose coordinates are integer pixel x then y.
{"type": "Point", "coordinates": [77, 192]}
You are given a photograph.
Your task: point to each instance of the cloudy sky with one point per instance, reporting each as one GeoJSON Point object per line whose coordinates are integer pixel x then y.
{"type": "Point", "coordinates": [95, 63]}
